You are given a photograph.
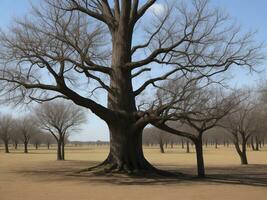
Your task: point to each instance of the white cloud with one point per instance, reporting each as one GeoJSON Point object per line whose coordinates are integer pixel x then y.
{"type": "Point", "coordinates": [158, 8]}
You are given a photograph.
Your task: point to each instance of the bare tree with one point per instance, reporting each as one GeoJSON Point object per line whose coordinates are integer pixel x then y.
{"type": "Point", "coordinates": [201, 111]}
{"type": "Point", "coordinates": [66, 39]}
{"type": "Point", "coordinates": [37, 140]}
{"type": "Point", "coordinates": [260, 134]}
{"type": "Point", "coordinates": [27, 129]}
{"type": "Point", "coordinates": [155, 136]}
{"type": "Point", "coordinates": [48, 139]}
{"type": "Point", "coordinates": [15, 137]}
{"type": "Point", "coordinates": [60, 119]}
{"type": "Point", "coordinates": [161, 137]}
{"type": "Point", "coordinates": [6, 128]}
{"type": "Point", "coordinates": [242, 124]}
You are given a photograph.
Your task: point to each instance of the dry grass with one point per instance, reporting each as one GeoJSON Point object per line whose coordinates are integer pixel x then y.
{"type": "Point", "coordinates": [38, 176]}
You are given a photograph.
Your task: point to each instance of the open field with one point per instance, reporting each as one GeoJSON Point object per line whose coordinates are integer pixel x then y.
{"type": "Point", "coordinates": [37, 176]}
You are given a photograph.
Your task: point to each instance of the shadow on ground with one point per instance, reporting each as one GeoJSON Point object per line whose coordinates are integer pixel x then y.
{"type": "Point", "coordinates": [251, 175]}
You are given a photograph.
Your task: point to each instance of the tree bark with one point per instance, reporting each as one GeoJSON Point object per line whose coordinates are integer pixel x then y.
{"type": "Point", "coordinates": [200, 159]}
{"type": "Point", "coordinates": [126, 153]}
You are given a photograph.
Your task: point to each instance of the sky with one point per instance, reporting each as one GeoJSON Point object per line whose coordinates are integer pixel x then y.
{"type": "Point", "coordinates": [250, 14]}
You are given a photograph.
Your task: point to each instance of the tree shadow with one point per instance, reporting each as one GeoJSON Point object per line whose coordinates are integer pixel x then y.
{"type": "Point", "coordinates": [251, 175]}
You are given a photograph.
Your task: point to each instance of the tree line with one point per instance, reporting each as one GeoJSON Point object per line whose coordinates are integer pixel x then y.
{"type": "Point", "coordinates": [49, 123]}
{"type": "Point", "coordinates": [236, 118]}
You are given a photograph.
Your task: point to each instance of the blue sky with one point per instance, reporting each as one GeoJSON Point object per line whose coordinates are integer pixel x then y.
{"type": "Point", "coordinates": [250, 14]}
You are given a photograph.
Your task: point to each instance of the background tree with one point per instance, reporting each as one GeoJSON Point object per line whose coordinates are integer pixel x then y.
{"type": "Point", "coordinates": [37, 140]}
{"type": "Point", "coordinates": [66, 39]}
{"type": "Point", "coordinates": [27, 129]}
{"type": "Point", "coordinates": [155, 136]}
{"type": "Point", "coordinates": [241, 125]}
{"type": "Point", "coordinates": [60, 118]}
{"type": "Point", "coordinates": [48, 139]}
{"type": "Point", "coordinates": [15, 137]}
{"type": "Point", "coordinates": [260, 134]}
{"type": "Point", "coordinates": [6, 128]}
{"type": "Point", "coordinates": [201, 111]}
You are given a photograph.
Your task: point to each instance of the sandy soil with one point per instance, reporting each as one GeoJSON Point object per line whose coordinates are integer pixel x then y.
{"type": "Point", "coordinates": [37, 176]}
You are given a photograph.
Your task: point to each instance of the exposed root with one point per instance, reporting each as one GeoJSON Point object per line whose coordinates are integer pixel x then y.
{"type": "Point", "coordinates": [146, 170]}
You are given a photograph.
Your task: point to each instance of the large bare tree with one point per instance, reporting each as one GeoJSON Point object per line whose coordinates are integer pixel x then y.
{"type": "Point", "coordinates": [73, 49]}
{"type": "Point", "coordinates": [60, 119]}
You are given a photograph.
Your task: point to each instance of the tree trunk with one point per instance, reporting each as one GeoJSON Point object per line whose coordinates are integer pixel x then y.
{"type": "Point", "coordinates": [187, 147]}
{"type": "Point", "coordinates": [243, 157]}
{"type": "Point", "coordinates": [6, 147]}
{"type": "Point", "coordinates": [126, 153]}
{"type": "Point", "coordinates": [242, 153]}
{"type": "Point", "coordinates": [48, 146]}
{"type": "Point", "coordinates": [244, 160]}
{"type": "Point", "coordinates": [161, 146]}
{"type": "Point", "coordinates": [36, 146]}
{"type": "Point", "coordinates": [25, 147]}
{"type": "Point", "coordinates": [63, 149]}
{"type": "Point", "coordinates": [257, 143]}
{"type": "Point", "coordinates": [182, 144]}
{"type": "Point", "coordinates": [252, 144]}
{"type": "Point", "coordinates": [16, 145]}
{"type": "Point", "coordinates": [200, 159]}
{"type": "Point", "coordinates": [59, 152]}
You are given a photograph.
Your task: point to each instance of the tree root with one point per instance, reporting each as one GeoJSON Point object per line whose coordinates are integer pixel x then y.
{"type": "Point", "coordinates": [146, 170]}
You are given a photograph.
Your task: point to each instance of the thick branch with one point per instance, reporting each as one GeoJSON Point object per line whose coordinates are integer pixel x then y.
{"type": "Point", "coordinates": [173, 131]}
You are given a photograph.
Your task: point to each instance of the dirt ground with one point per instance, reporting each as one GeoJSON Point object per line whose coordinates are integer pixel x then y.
{"type": "Point", "coordinates": [37, 176]}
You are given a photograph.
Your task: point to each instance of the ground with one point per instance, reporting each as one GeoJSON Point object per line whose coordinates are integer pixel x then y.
{"type": "Point", "coordinates": [38, 176]}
